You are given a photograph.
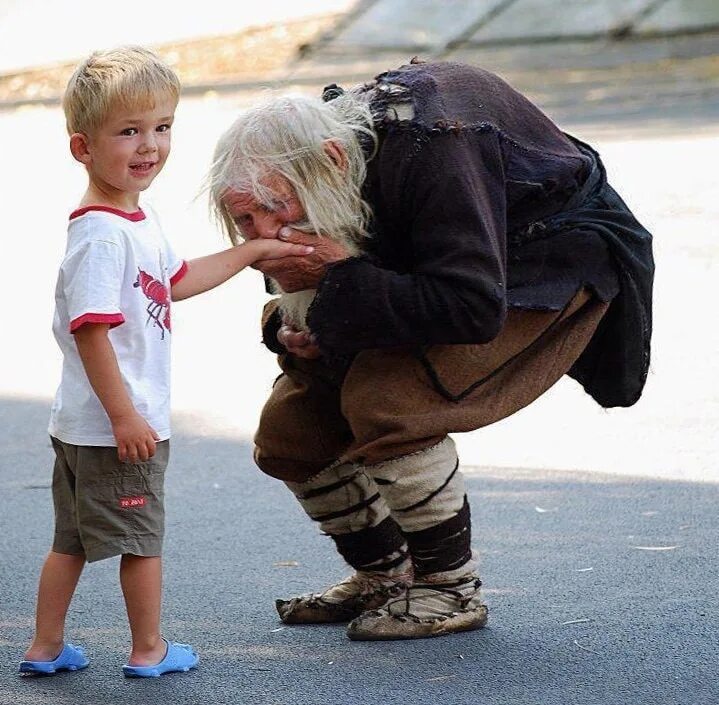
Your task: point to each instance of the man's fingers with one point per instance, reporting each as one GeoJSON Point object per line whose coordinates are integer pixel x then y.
{"type": "Point", "coordinates": [272, 265]}
{"type": "Point", "coordinates": [307, 352]}
{"type": "Point", "coordinates": [288, 234]}
{"type": "Point", "coordinates": [300, 343]}
{"type": "Point", "coordinates": [290, 337]}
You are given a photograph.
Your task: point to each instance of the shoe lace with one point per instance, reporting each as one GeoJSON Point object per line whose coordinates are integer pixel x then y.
{"type": "Point", "coordinates": [418, 591]}
{"type": "Point", "coordinates": [365, 585]}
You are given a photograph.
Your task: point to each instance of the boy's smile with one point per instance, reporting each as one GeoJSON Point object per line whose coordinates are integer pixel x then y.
{"type": "Point", "coordinates": [126, 153]}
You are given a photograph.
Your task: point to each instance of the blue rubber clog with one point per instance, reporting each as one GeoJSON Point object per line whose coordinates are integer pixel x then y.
{"type": "Point", "coordinates": [71, 658]}
{"type": "Point", "coordinates": [179, 658]}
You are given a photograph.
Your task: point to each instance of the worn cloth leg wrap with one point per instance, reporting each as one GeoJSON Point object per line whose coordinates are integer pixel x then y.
{"type": "Point", "coordinates": [348, 506]}
{"type": "Point", "coordinates": [426, 496]}
{"type": "Point", "coordinates": [443, 548]}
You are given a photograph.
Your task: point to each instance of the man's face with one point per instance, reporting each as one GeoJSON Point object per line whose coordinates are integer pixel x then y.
{"type": "Point", "coordinates": [255, 219]}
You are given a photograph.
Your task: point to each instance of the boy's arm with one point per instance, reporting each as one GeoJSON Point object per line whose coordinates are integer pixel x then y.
{"type": "Point", "coordinates": [135, 437]}
{"type": "Point", "coordinates": [205, 273]}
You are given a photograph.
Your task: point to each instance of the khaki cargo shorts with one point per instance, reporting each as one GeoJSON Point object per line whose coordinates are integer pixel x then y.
{"type": "Point", "coordinates": [106, 508]}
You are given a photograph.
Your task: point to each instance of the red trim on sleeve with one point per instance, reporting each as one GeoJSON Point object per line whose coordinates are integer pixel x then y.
{"type": "Point", "coordinates": [139, 214]}
{"type": "Point", "coordinates": [179, 274]}
{"type": "Point", "coordinates": [114, 319]}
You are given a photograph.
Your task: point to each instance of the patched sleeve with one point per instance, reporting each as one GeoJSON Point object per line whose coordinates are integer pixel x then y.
{"type": "Point", "coordinates": [447, 190]}
{"type": "Point", "coordinates": [92, 278]}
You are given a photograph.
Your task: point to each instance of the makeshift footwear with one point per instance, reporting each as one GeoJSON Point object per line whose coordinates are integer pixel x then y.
{"type": "Point", "coordinates": [179, 658]}
{"type": "Point", "coordinates": [424, 610]}
{"type": "Point", "coordinates": [362, 591]}
{"type": "Point", "coordinates": [71, 658]}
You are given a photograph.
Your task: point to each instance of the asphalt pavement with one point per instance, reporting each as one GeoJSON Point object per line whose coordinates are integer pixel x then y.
{"type": "Point", "coordinates": [602, 591]}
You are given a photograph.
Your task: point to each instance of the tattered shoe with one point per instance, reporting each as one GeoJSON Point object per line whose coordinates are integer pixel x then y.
{"type": "Point", "coordinates": [424, 610]}
{"type": "Point", "coordinates": [342, 602]}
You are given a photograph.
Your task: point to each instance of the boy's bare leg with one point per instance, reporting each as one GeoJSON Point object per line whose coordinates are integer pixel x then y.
{"type": "Point", "coordinates": [141, 581]}
{"type": "Point", "coordinates": [58, 581]}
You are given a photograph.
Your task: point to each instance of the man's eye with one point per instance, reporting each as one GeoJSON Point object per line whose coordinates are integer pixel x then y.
{"type": "Point", "coordinates": [164, 128]}
{"type": "Point", "coordinates": [129, 132]}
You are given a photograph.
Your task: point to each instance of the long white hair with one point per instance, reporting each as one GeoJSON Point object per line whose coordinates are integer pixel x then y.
{"type": "Point", "coordinates": [286, 135]}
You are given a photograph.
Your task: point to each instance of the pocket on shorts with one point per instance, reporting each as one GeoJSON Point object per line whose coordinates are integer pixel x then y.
{"type": "Point", "coordinates": [139, 492]}
{"type": "Point", "coordinates": [121, 499]}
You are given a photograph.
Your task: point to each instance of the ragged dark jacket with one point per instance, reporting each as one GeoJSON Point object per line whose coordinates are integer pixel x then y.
{"type": "Point", "coordinates": [481, 203]}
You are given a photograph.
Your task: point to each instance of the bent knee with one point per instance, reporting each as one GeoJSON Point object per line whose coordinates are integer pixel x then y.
{"type": "Point", "coordinates": [288, 469]}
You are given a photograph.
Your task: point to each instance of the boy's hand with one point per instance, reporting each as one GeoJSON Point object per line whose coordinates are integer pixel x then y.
{"type": "Point", "coordinates": [205, 273]}
{"type": "Point", "coordinates": [268, 248]}
{"type": "Point", "coordinates": [136, 439]}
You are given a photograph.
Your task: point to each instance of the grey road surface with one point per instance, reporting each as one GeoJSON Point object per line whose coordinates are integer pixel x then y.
{"type": "Point", "coordinates": [602, 591]}
{"type": "Point", "coordinates": [601, 588]}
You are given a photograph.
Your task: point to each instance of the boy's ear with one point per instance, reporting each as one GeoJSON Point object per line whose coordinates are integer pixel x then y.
{"type": "Point", "coordinates": [335, 150]}
{"type": "Point", "coordinates": [79, 147]}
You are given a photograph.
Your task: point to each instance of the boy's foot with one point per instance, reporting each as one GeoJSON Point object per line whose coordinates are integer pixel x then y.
{"type": "Point", "coordinates": [71, 658]}
{"type": "Point", "coordinates": [342, 602]}
{"type": "Point", "coordinates": [179, 658]}
{"type": "Point", "coordinates": [424, 610]}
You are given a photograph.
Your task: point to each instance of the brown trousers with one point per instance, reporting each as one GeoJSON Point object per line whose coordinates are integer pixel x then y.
{"type": "Point", "coordinates": [393, 402]}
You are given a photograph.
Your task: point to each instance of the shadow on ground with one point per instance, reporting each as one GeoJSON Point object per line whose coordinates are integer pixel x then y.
{"type": "Point", "coordinates": [578, 613]}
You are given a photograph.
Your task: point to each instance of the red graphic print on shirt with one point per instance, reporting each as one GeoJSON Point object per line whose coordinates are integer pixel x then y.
{"type": "Point", "coordinates": [158, 310]}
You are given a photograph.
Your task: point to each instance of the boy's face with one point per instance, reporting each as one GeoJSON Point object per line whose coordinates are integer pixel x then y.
{"type": "Point", "coordinates": [128, 151]}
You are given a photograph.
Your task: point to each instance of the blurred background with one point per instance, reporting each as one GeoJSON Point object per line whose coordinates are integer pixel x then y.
{"type": "Point", "coordinates": [639, 79]}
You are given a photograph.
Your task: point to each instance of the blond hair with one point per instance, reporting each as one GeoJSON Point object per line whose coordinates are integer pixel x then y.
{"type": "Point", "coordinates": [286, 135]}
{"type": "Point", "coordinates": [125, 77]}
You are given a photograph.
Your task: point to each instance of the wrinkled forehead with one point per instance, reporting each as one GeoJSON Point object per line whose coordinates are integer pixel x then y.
{"type": "Point", "coordinates": [273, 186]}
{"type": "Point", "coordinates": [236, 201]}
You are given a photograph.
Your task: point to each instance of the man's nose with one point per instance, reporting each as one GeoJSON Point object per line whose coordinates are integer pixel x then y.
{"type": "Point", "coordinates": [267, 225]}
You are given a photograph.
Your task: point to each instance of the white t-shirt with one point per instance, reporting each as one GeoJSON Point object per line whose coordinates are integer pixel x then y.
{"type": "Point", "coordinates": [118, 269]}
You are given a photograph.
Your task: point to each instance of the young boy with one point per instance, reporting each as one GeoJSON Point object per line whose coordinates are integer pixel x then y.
{"type": "Point", "coordinates": [109, 423]}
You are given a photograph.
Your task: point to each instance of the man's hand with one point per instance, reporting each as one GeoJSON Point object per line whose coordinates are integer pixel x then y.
{"type": "Point", "coordinates": [136, 439]}
{"type": "Point", "coordinates": [298, 342]}
{"type": "Point", "coordinates": [306, 271]}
